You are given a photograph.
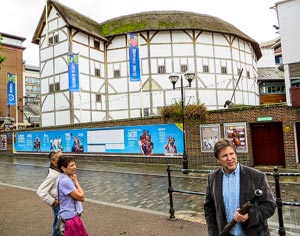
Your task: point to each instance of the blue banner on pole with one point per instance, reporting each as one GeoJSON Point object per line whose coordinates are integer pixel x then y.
{"type": "Point", "coordinates": [73, 73]}
{"type": "Point", "coordinates": [11, 89]}
{"type": "Point", "coordinates": [134, 58]}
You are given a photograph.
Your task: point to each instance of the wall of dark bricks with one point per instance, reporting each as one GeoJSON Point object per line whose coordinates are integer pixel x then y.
{"type": "Point", "coordinates": [280, 113]}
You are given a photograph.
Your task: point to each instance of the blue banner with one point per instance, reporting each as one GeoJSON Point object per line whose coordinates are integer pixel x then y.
{"type": "Point", "coordinates": [134, 58]}
{"type": "Point", "coordinates": [143, 139]}
{"type": "Point", "coordinates": [11, 89]}
{"type": "Point", "coordinates": [73, 73]}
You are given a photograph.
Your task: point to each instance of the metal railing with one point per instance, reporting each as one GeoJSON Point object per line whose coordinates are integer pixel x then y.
{"type": "Point", "coordinates": [275, 174]}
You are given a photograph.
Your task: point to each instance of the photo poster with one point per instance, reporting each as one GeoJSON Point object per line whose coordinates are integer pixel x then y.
{"type": "Point", "coordinates": [125, 139]}
{"type": "Point", "coordinates": [3, 139]}
{"type": "Point", "coordinates": [209, 135]}
{"type": "Point", "coordinates": [237, 133]}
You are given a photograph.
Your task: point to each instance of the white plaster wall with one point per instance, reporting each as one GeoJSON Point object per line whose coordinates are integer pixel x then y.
{"type": "Point", "coordinates": [118, 42]}
{"type": "Point", "coordinates": [62, 117]}
{"type": "Point", "coordinates": [115, 115]}
{"type": "Point", "coordinates": [162, 37]}
{"type": "Point", "coordinates": [84, 66]}
{"type": "Point", "coordinates": [96, 84]}
{"type": "Point", "coordinates": [61, 48]}
{"type": "Point", "coordinates": [48, 103]}
{"type": "Point", "coordinates": [47, 119]}
{"type": "Point", "coordinates": [118, 101]}
{"type": "Point", "coordinates": [117, 55]}
{"type": "Point", "coordinates": [64, 81]}
{"type": "Point", "coordinates": [62, 101]}
{"type": "Point", "coordinates": [267, 59]}
{"type": "Point", "coordinates": [289, 17]}
{"type": "Point", "coordinates": [81, 37]}
{"type": "Point", "coordinates": [96, 55]}
{"type": "Point", "coordinates": [181, 37]}
{"type": "Point", "coordinates": [204, 50]}
{"type": "Point", "coordinates": [183, 50]}
{"type": "Point", "coordinates": [98, 116]}
{"type": "Point", "coordinates": [84, 82]}
{"type": "Point", "coordinates": [60, 65]}
{"type": "Point", "coordinates": [82, 50]}
{"type": "Point", "coordinates": [160, 50]}
{"type": "Point", "coordinates": [120, 85]}
{"type": "Point", "coordinates": [222, 52]}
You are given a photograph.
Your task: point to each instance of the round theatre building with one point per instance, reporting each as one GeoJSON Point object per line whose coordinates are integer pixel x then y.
{"type": "Point", "coordinates": [168, 42]}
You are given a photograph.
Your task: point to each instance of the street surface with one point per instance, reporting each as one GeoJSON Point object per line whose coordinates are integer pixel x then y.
{"type": "Point", "coordinates": [139, 186]}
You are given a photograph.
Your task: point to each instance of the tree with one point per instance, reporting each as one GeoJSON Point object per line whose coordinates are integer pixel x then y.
{"type": "Point", "coordinates": [2, 59]}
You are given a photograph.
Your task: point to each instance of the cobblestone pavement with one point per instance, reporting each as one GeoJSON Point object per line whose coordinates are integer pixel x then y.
{"type": "Point", "coordinates": [138, 185]}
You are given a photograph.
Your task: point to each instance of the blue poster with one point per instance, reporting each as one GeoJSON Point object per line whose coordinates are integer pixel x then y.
{"type": "Point", "coordinates": [11, 89]}
{"type": "Point", "coordinates": [134, 58]}
{"type": "Point", "coordinates": [164, 139]}
{"type": "Point", "coordinates": [73, 73]}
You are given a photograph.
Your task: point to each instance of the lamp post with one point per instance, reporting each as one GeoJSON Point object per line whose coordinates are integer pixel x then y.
{"type": "Point", "coordinates": [189, 76]}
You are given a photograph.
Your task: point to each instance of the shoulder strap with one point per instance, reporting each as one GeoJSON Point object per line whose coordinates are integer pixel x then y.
{"type": "Point", "coordinates": [58, 196]}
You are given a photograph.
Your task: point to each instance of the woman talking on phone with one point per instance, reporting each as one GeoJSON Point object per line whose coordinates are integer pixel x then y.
{"type": "Point", "coordinates": [70, 196]}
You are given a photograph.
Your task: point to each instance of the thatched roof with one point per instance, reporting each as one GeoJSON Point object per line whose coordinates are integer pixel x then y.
{"type": "Point", "coordinates": [145, 21]}
{"type": "Point", "coordinates": [72, 18]}
{"type": "Point", "coordinates": [172, 20]}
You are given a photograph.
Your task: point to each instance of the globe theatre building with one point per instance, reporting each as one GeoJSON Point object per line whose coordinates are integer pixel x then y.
{"type": "Point", "coordinates": [169, 42]}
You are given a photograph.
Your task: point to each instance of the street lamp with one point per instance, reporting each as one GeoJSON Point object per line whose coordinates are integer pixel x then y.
{"type": "Point", "coordinates": [189, 76]}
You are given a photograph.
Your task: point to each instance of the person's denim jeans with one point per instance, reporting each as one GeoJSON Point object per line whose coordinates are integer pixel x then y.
{"type": "Point", "coordinates": [55, 213]}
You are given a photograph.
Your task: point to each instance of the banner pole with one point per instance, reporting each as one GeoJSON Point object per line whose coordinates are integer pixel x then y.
{"type": "Point", "coordinates": [17, 116]}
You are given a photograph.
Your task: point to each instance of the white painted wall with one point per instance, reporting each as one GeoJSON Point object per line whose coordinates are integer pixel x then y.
{"type": "Point", "coordinates": [122, 98]}
{"type": "Point", "coordinates": [289, 17]}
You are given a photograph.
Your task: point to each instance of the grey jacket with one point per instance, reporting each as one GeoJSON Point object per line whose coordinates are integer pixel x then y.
{"type": "Point", "coordinates": [47, 189]}
{"type": "Point", "coordinates": [250, 180]}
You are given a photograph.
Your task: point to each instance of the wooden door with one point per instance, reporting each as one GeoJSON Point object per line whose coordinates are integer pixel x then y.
{"type": "Point", "coordinates": [267, 141]}
{"type": "Point", "coordinates": [297, 126]}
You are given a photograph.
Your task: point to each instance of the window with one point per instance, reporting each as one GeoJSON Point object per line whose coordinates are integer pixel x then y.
{"type": "Point", "coordinates": [161, 69]}
{"type": "Point", "coordinates": [98, 97]}
{"type": "Point", "coordinates": [224, 70]}
{"type": "Point", "coordinates": [51, 88]}
{"type": "Point", "coordinates": [183, 68]}
{"type": "Point", "coordinates": [205, 69]}
{"type": "Point", "coordinates": [57, 86]}
{"type": "Point", "coordinates": [248, 74]}
{"type": "Point", "coordinates": [96, 44]}
{"type": "Point", "coordinates": [97, 72]}
{"type": "Point", "coordinates": [117, 74]}
{"type": "Point", "coordinates": [54, 87]}
{"type": "Point", "coordinates": [272, 88]}
{"type": "Point", "coordinates": [53, 39]}
{"type": "Point", "coordinates": [144, 112]}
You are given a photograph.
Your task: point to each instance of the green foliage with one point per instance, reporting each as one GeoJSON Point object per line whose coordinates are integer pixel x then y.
{"type": "Point", "coordinates": [2, 59]}
{"type": "Point", "coordinates": [191, 112]}
{"type": "Point", "coordinates": [119, 27]}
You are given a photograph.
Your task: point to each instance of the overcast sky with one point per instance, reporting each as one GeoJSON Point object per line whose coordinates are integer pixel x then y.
{"type": "Point", "coordinates": [253, 17]}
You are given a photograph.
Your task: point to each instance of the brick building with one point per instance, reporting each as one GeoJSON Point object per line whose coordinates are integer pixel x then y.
{"type": "Point", "coordinates": [12, 50]}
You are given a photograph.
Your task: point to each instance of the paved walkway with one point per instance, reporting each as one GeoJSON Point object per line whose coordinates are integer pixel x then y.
{"type": "Point", "coordinates": [23, 214]}
{"type": "Point", "coordinates": [136, 188]}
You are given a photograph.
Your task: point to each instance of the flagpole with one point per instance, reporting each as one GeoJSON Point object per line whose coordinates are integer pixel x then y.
{"type": "Point", "coordinates": [47, 26]}
{"type": "Point", "coordinates": [17, 116]}
{"type": "Point", "coordinates": [141, 84]}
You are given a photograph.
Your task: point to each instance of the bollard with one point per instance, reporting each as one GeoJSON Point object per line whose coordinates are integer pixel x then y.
{"type": "Point", "coordinates": [281, 230]}
{"type": "Point", "coordinates": [170, 191]}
